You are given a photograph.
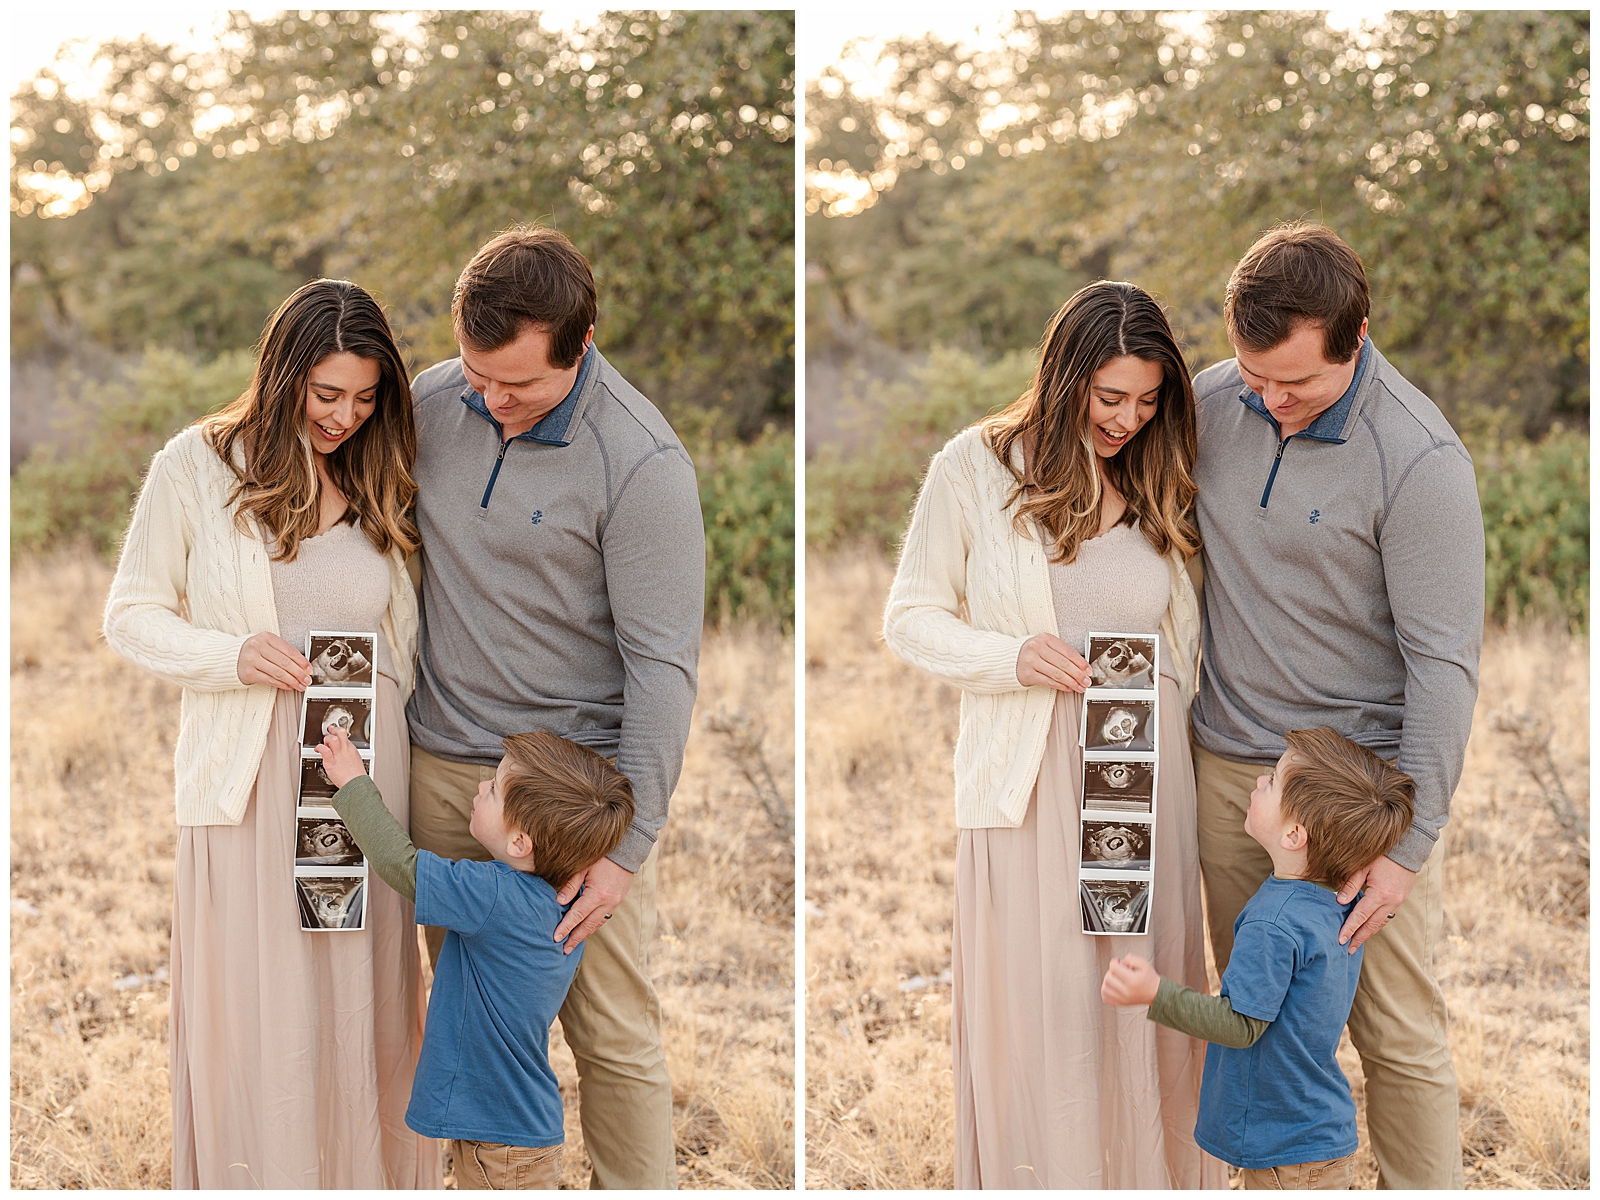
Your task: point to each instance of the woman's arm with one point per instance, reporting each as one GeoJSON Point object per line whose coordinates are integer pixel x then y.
{"type": "Point", "coordinates": [141, 621]}
{"type": "Point", "coordinates": [921, 623]}
{"type": "Point", "coordinates": [142, 618]}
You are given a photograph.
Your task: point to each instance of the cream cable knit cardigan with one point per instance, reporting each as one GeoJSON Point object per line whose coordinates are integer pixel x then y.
{"type": "Point", "coordinates": [962, 549]}
{"type": "Point", "coordinates": [189, 590]}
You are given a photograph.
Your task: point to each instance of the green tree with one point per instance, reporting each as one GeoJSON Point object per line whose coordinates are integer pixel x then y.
{"type": "Point", "coordinates": [386, 150]}
{"type": "Point", "coordinates": [1451, 149]}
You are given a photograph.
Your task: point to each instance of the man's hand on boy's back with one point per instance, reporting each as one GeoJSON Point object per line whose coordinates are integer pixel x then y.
{"type": "Point", "coordinates": [1130, 980]}
{"type": "Point", "coordinates": [1388, 884]}
{"type": "Point", "coordinates": [340, 759]}
{"type": "Point", "coordinates": [604, 885]}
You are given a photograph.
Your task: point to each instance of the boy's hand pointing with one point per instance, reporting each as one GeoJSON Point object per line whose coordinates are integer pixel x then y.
{"type": "Point", "coordinates": [1130, 980]}
{"type": "Point", "coordinates": [340, 759]}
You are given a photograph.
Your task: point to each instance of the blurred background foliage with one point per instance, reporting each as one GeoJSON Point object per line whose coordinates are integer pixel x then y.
{"type": "Point", "coordinates": [956, 197]}
{"type": "Point", "coordinates": [155, 224]}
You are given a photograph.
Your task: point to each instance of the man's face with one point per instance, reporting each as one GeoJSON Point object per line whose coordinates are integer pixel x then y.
{"type": "Point", "coordinates": [517, 381]}
{"type": "Point", "coordinates": [1293, 379]}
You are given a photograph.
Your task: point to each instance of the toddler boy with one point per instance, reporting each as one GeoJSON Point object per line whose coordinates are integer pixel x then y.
{"type": "Point", "coordinates": [483, 1078]}
{"type": "Point", "coordinates": [1273, 1100]}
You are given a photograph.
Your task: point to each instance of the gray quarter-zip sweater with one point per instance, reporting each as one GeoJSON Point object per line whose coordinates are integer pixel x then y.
{"type": "Point", "coordinates": [1343, 581]}
{"type": "Point", "coordinates": [563, 582]}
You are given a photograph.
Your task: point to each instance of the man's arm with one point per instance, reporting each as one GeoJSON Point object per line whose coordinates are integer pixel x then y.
{"type": "Point", "coordinates": [655, 564]}
{"type": "Point", "coordinates": [654, 547]}
{"type": "Point", "coordinates": [1432, 546]}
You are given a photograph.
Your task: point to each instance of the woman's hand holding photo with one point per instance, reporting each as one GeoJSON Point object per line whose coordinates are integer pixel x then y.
{"type": "Point", "coordinates": [1048, 661]}
{"type": "Point", "coordinates": [340, 759]}
{"type": "Point", "coordinates": [1130, 980]}
{"type": "Point", "coordinates": [267, 658]}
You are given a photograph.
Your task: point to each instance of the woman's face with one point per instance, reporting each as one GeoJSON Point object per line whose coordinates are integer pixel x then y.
{"type": "Point", "coordinates": [341, 393]}
{"type": "Point", "coordinates": [1122, 397]}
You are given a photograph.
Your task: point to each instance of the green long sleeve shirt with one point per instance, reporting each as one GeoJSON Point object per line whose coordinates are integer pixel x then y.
{"type": "Point", "coordinates": [1210, 1018]}
{"type": "Point", "coordinates": [389, 851]}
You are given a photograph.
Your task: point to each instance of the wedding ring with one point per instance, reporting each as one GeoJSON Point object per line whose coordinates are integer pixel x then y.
{"type": "Point", "coordinates": [608, 916]}
{"type": "Point", "coordinates": [1391, 916]}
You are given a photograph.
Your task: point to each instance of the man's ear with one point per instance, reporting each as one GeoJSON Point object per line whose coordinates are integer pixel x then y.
{"type": "Point", "coordinates": [1294, 837]}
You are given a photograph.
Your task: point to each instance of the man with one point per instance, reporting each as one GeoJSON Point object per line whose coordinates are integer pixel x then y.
{"type": "Point", "coordinates": [1343, 587]}
{"type": "Point", "coordinates": [563, 586]}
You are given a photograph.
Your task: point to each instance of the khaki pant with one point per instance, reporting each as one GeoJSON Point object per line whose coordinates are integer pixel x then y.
{"type": "Point", "coordinates": [1332, 1175]}
{"type": "Point", "coordinates": [1398, 1020]}
{"type": "Point", "coordinates": [491, 1167]}
{"type": "Point", "coordinates": [611, 1018]}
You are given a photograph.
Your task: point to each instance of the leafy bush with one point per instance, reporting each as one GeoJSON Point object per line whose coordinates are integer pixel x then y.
{"type": "Point", "coordinates": [1535, 499]}
{"type": "Point", "coordinates": [864, 492]}
{"type": "Point", "coordinates": [1535, 495]}
{"type": "Point", "coordinates": [747, 500]}
{"type": "Point", "coordinates": [85, 490]}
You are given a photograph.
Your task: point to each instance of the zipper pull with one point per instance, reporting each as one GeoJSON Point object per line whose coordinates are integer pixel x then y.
{"type": "Point", "coordinates": [1276, 456]}
{"type": "Point", "coordinates": [501, 457]}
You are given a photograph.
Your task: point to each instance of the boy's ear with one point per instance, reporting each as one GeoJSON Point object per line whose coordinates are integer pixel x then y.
{"type": "Point", "coordinates": [519, 845]}
{"type": "Point", "coordinates": [1294, 837]}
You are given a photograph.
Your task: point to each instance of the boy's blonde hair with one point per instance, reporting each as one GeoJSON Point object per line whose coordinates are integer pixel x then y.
{"type": "Point", "coordinates": [573, 805]}
{"type": "Point", "coordinates": [1354, 806]}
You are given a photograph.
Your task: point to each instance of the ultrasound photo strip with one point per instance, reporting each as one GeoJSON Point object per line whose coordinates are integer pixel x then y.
{"type": "Point", "coordinates": [1120, 726]}
{"type": "Point", "coordinates": [331, 899]}
{"type": "Point", "coordinates": [1114, 907]}
{"type": "Point", "coordinates": [1123, 665]}
{"type": "Point", "coordinates": [1118, 785]}
{"type": "Point", "coordinates": [321, 839]}
{"type": "Point", "coordinates": [351, 710]}
{"type": "Point", "coordinates": [340, 659]}
{"type": "Point", "coordinates": [1122, 847]}
{"type": "Point", "coordinates": [1119, 735]}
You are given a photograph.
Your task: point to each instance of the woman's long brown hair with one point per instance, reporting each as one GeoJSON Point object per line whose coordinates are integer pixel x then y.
{"type": "Point", "coordinates": [1154, 471]}
{"type": "Point", "coordinates": [279, 485]}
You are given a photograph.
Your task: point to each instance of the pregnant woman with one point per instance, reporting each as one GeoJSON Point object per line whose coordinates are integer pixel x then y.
{"type": "Point", "coordinates": [1070, 511]}
{"type": "Point", "coordinates": [292, 1052]}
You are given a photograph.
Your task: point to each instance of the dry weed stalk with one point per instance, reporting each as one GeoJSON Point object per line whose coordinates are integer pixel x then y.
{"type": "Point", "coordinates": [92, 842]}
{"type": "Point", "coordinates": [880, 841]}
{"type": "Point", "coordinates": [746, 734]}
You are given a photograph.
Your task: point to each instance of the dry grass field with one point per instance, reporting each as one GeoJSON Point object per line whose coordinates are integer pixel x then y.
{"type": "Point", "coordinates": [880, 846]}
{"type": "Point", "coordinates": [92, 839]}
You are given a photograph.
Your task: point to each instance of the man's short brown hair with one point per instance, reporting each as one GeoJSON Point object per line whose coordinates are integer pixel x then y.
{"type": "Point", "coordinates": [1355, 807]}
{"type": "Point", "coordinates": [1297, 274]}
{"type": "Point", "coordinates": [527, 277]}
{"type": "Point", "coordinates": [573, 805]}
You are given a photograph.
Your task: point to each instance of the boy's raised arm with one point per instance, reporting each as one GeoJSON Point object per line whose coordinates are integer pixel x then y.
{"type": "Point", "coordinates": [381, 838]}
{"type": "Point", "coordinates": [389, 851]}
{"type": "Point", "coordinates": [1131, 980]}
{"type": "Point", "coordinates": [1210, 1018]}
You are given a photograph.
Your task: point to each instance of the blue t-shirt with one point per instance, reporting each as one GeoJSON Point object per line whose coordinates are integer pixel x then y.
{"type": "Point", "coordinates": [1284, 1100]}
{"type": "Point", "coordinates": [484, 1074]}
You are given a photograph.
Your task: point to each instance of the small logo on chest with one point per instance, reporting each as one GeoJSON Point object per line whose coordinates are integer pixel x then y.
{"type": "Point", "coordinates": [538, 515]}
{"type": "Point", "coordinates": [1316, 515]}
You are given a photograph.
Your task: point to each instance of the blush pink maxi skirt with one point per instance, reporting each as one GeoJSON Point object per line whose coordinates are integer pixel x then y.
{"type": "Point", "coordinates": [292, 1052]}
{"type": "Point", "coordinates": [1054, 1088]}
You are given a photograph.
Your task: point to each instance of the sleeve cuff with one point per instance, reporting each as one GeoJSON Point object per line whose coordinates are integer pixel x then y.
{"type": "Point", "coordinates": [1413, 849]}
{"type": "Point", "coordinates": [633, 849]}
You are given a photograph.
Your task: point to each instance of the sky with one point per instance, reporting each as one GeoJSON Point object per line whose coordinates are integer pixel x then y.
{"type": "Point", "coordinates": [35, 30]}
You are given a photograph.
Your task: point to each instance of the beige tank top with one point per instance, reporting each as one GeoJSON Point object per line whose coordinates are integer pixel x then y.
{"type": "Point", "coordinates": [339, 581]}
{"type": "Point", "coordinates": [1117, 584]}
